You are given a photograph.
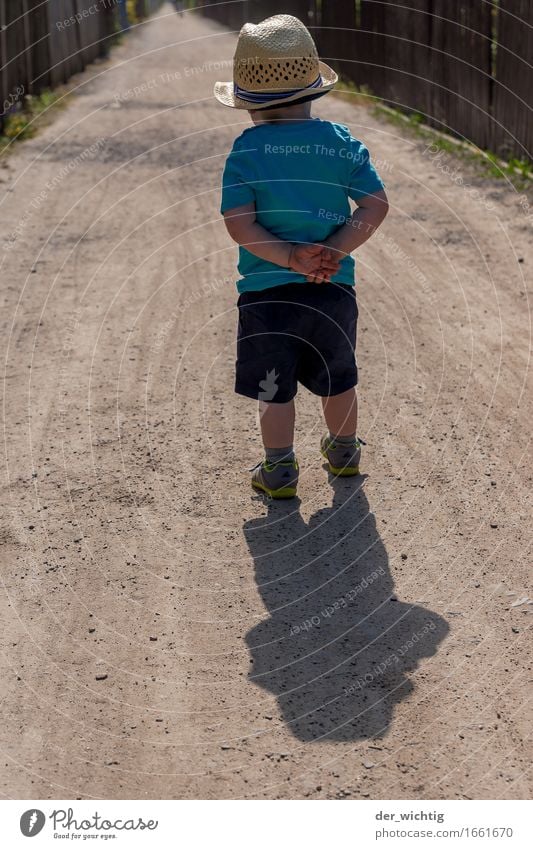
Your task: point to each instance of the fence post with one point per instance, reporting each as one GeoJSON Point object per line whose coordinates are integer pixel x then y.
{"type": "Point", "coordinates": [3, 60]}
{"type": "Point", "coordinates": [512, 106]}
{"type": "Point", "coordinates": [461, 37]}
{"type": "Point", "coordinates": [336, 37]}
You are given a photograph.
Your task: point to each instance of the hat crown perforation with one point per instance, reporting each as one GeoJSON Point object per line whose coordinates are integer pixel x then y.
{"type": "Point", "coordinates": [279, 53]}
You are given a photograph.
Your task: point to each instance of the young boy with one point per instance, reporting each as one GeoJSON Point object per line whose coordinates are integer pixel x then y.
{"type": "Point", "coordinates": [285, 201]}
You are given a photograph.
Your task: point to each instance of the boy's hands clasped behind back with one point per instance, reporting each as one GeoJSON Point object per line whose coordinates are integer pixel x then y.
{"type": "Point", "coordinates": [324, 264]}
{"type": "Point", "coordinates": [318, 262]}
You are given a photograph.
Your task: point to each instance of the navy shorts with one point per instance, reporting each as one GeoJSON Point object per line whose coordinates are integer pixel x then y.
{"type": "Point", "coordinates": [296, 333]}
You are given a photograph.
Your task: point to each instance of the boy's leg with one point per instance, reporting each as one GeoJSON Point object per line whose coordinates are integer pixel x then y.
{"type": "Point", "coordinates": [266, 369]}
{"type": "Point", "coordinates": [340, 413]}
{"type": "Point", "coordinates": [341, 448]}
{"type": "Point", "coordinates": [277, 424]}
{"type": "Point", "coordinates": [278, 474]}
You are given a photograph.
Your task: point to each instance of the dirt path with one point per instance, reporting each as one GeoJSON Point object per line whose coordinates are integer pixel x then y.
{"type": "Point", "coordinates": [166, 634]}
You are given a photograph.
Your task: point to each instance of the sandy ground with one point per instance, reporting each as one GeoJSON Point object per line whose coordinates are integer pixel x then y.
{"type": "Point", "coordinates": [166, 634]}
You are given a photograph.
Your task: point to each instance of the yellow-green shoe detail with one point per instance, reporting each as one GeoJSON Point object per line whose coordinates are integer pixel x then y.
{"type": "Point", "coordinates": [284, 492]}
{"type": "Point", "coordinates": [277, 480]}
{"type": "Point", "coordinates": [343, 460]}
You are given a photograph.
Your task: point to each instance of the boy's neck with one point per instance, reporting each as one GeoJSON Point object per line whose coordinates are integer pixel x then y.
{"type": "Point", "coordinates": [296, 112]}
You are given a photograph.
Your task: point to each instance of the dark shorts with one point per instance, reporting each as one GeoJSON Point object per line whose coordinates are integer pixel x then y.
{"type": "Point", "coordinates": [297, 333]}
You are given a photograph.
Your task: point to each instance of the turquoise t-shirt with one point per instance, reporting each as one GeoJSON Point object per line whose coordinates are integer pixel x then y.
{"type": "Point", "coordinates": [300, 175]}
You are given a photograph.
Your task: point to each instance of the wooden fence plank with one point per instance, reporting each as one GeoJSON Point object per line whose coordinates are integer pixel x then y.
{"type": "Point", "coordinates": [408, 78]}
{"type": "Point", "coordinates": [371, 45]}
{"type": "Point", "coordinates": [235, 13]}
{"type": "Point", "coordinates": [337, 36]}
{"type": "Point", "coordinates": [107, 26]}
{"type": "Point", "coordinates": [39, 40]}
{"type": "Point", "coordinates": [14, 54]}
{"type": "Point", "coordinates": [258, 10]}
{"type": "Point", "coordinates": [56, 42]}
{"type": "Point", "coordinates": [462, 70]}
{"type": "Point", "coordinates": [73, 57]}
{"type": "Point", "coordinates": [87, 30]}
{"type": "Point", "coordinates": [512, 128]}
{"type": "Point", "coordinates": [3, 60]}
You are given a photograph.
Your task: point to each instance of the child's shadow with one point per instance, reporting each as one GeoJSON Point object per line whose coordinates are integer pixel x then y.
{"type": "Point", "coordinates": [337, 647]}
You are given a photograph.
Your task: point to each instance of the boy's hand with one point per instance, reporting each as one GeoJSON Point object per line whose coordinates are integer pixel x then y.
{"type": "Point", "coordinates": [330, 264]}
{"type": "Point", "coordinates": [317, 262]}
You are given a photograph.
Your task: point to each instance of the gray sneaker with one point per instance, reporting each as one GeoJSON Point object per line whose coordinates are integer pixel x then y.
{"type": "Point", "coordinates": [343, 460]}
{"type": "Point", "coordinates": [278, 480]}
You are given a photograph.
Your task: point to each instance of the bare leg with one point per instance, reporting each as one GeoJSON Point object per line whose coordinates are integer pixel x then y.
{"type": "Point", "coordinates": [340, 412]}
{"type": "Point", "coordinates": [277, 424]}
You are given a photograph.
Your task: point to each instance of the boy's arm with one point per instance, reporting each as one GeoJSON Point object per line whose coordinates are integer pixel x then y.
{"type": "Point", "coordinates": [315, 261]}
{"type": "Point", "coordinates": [370, 212]}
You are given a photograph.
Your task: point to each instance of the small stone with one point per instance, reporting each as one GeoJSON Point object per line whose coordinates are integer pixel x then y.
{"type": "Point", "coordinates": [153, 639]}
{"type": "Point", "coordinates": [404, 556]}
{"type": "Point", "coordinates": [368, 764]}
{"type": "Point", "coordinates": [515, 630]}
{"type": "Point", "coordinates": [494, 524]}
{"type": "Point", "coordinates": [92, 630]}
{"type": "Point", "coordinates": [225, 747]}
{"type": "Point", "coordinates": [101, 677]}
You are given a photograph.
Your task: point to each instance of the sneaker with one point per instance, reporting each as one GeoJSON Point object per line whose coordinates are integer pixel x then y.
{"type": "Point", "coordinates": [278, 480]}
{"type": "Point", "coordinates": [343, 460]}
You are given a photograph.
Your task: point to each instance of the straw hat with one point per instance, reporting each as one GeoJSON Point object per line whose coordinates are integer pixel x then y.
{"type": "Point", "coordinates": [275, 62]}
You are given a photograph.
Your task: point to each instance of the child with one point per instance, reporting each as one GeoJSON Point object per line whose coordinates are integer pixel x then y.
{"type": "Point", "coordinates": [285, 201]}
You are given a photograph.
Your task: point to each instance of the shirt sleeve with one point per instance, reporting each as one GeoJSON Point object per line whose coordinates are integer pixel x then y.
{"type": "Point", "coordinates": [236, 189]}
{"type": "Point", "coordinates": [363, 179]}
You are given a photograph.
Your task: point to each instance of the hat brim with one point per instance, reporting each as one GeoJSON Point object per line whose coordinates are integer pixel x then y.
{"type": "Point", "coordinates": [225, 94]}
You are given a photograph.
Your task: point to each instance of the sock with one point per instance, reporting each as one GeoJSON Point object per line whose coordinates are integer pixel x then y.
{"type": "Point", "coordinates": [280, 455]}
{"type": "Point", "coordinates": [343, 440]}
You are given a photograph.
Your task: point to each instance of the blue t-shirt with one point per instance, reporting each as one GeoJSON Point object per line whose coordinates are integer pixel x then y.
{"type": "Point", "coordinates": [300, 175]}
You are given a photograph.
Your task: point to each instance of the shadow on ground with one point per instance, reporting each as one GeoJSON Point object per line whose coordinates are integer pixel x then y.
{"type": "Point", "coordinates": [338, 647]}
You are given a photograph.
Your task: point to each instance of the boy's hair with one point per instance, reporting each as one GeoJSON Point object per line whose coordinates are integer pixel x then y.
{"type": "Point", "coordinates": [295, 103]}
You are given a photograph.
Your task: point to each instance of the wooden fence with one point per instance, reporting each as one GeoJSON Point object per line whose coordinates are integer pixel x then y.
{"type": "Point", "coordinates": [465, 65]}
{"type": "Point", "coordinates": [42, 44]}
